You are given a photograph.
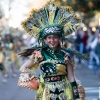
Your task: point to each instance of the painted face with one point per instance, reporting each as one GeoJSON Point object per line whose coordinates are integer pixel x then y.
{"type": "Point", "coordinates": [52, 41]}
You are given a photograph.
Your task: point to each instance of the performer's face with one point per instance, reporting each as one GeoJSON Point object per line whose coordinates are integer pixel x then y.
{"type": "Point", "coordinates": [52, 41]}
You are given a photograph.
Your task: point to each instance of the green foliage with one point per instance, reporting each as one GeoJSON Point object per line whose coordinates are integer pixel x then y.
{"type": "Point", "coordinates": [84, 5]}
{"type": "Point", "coordinates": [89, 14]}
{"type": "Point", "coordinates": [88, 7]}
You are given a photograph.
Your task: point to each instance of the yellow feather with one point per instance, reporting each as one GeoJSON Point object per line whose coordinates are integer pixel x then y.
{"type": "Point", "coordinates": [33, 11]}
{"type": "Point", "coordinates": [60, 20]}
{"type": "Point", "coordinates": [51, 16]}
{"type": "Point", "coordinates": [35, 29]}
{"type": "Point", "coordinates": [69, 8]}
{"type": "Point", "coordinates": [67, 25]}
{"type": "Point", "coordinates": [41, 23]}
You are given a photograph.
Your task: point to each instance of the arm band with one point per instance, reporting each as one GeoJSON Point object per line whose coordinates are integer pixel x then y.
{"type": "Point", "coordinates": [75, 90]}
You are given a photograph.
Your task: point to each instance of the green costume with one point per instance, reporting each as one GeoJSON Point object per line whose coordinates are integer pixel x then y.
{"type": "Point", "coordinates": [55, 84]}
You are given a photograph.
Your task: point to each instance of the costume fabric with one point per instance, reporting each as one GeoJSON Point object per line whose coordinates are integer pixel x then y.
{"type": "Point", "coordinates": [54, 83]}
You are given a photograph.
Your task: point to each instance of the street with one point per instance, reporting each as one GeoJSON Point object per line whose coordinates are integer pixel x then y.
{"type": "Point", "coordinates": [91, 82]}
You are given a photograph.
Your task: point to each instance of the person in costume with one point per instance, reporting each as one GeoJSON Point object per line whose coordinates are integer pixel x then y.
{"type": "Point", "coordinates": [10, 54]}
{"type": "Point", "coordinates": [2, 60]}
{"type": "Point", "coordinates": [50, 25]}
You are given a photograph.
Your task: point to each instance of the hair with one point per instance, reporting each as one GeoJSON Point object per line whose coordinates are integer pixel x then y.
{"type": "Point", "coordinates": [59, 46]}
{"type": "Point", "coordinates": [52, 34]}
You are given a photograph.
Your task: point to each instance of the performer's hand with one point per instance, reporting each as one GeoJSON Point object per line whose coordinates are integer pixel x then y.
{"type": "Point", "coordinates": [67, 60]}
{"type": "Point", "coordinates": [66, 57]}
{"type": "Point", "coordinates": [82, 93]}
{"type": "Point", "coordinates": [37, 55]}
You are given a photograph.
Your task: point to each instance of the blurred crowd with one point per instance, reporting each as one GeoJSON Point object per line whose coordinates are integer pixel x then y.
{"type": "Point", "coordinates": [87, 42]}
{"type": "Point", "coordinates": [10, 46]}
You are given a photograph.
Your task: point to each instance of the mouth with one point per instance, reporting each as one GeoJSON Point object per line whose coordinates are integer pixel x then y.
{"type": "Point", "coordinates": [52, 44]}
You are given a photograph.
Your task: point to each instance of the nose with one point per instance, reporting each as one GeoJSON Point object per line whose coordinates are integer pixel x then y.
{"type": "Point", "coordinates": [52, 38]}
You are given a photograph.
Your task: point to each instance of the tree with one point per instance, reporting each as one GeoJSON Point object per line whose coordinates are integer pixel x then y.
{"type": "Point", "coordinates": [88, 7]}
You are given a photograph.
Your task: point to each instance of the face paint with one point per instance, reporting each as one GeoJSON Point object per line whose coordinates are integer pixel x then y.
{"type": "Point", "coordinates": [52, 44]}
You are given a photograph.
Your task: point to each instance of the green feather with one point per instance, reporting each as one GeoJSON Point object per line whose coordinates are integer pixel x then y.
{"type": "Point", "coordinates": [76, 53]}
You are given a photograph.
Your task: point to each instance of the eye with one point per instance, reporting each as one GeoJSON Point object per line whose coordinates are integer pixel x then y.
{"type": "Point", "coordinates": [49, 37]}
{"type": "Point", "coordinates": [55, 37]}
{"type": "Point", "coordinates": [52, 37]}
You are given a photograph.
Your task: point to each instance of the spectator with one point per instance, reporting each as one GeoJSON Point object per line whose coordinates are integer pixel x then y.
{"type": "Point", "coordinates": [2, 59]}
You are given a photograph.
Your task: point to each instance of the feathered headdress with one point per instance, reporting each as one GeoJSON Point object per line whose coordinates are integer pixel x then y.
{"type": "Point", "coordinates": [51, 19]}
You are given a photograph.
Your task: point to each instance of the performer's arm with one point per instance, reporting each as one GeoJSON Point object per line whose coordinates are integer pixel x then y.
{"type": "Point", "coordinates": [70, 72]}
{"type": "Point", "coordinates": [28, 64]}
{"type": "Point", "coordinates": [71, 78]}
{"type": "Point", "coordinates": [33, 59]}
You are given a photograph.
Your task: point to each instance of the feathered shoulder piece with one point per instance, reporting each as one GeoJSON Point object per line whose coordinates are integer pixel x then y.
{"type": "Point", "coordinates": [76, 53]}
